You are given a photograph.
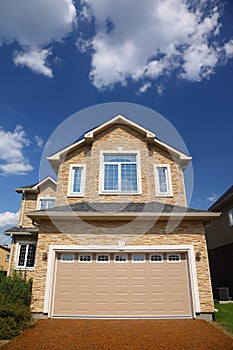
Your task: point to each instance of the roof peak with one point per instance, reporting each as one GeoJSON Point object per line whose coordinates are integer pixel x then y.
{"type": "Point", "coordinates": [88, 137]}
{"type": "Point", "coordinates": [35, 187]}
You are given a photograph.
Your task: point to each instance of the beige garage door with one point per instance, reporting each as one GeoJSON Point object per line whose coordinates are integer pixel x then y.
{"type": "Point", "coordinates": [121, 284]}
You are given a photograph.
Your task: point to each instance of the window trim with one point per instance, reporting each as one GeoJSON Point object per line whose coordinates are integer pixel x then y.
{"type": "Point", "coordinates": [230, 217]}
{"type": "Point", "coordinates": [121, 262]}
{"type": "Point", "coordinates": [169, 181]}
{"type": "Point", "coordinates": [138, 262]}
{"type": "Point", "coordinates": [67, 261]}
{"type": "Point", "coordinates": [18, 244]}
{"type": "Point", "coordinates": [102, 262]}
{"type": "Point", "coordinates": [173, 261]}
{"type": "Point", "coordinates": [101, 172]}
{"type": "Point", "coordinates": [158, 261]}
{"type": "Point", "coordinates": [44, 198]}
{"type": "Point", "coordinates": [70, 192]}
{"type": "Point", "coordinates": [85, 262]}
{"type": "Point", "coordinates": [7, 258]}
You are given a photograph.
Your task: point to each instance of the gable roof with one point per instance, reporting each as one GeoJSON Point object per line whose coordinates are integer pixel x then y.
{"type": "Point", "coordinates": [88, 137]}
{"type": "Point", "coordinates": [34, 188]}
{"type": "Point", "coordinates": [224, 200]}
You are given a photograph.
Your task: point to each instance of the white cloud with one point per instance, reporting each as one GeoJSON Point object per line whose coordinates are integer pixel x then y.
{"type": "Point", "coordinates": [39, 141]}
{"type": "Point", "coordinates": [15, 169]}
{"type": "Point", "coordinates": [143, 42]}
{"type": "Point", "coordinates": [12, 159]}
{"type": "Point", "coordinates": [228, 47]}
{"type": "Point", "coordinates": [199, 62]}
{"type": "Point", "coordinates": [35, 60]}
{"type": "Point", "coordinates": [212, 198]}
{"type": "Point", "coordinates": [160, 89]}
{"type": "Point", "coordinates": [144, 88]}
{"type": "Point", "coordinates": [35, 25]}
{"type": "Point", "coordinates": [8, 218]}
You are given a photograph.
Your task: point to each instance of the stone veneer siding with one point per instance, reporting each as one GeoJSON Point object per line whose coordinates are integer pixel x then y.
{"type": "Point", "coordinates": [187, 232]}
{"type": "Point", "coordinates": [31, 203]}
{"type": "Point", "coordinates": [125, 139]}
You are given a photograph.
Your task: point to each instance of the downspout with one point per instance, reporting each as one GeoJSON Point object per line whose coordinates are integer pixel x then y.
{"type": "Point", "coordinates": [23, 208]}
{"type": "Point", "coordinates": [11, 256]}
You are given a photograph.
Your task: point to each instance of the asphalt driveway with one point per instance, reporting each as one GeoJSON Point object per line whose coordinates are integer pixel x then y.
{"type": "Point", "coordinates": [54, 334]}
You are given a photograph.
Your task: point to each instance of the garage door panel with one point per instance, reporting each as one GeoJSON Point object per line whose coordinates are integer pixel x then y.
{"type": "Point", "coordinates": [123, 288]}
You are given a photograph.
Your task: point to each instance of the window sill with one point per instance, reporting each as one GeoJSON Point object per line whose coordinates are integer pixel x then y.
{"type": "Point", "coordinates": [120, 193]}
{"type": "Point", "coordinates": [20, 268]}
{"type": "Point", "coordinates": [164, 195]}
{"type": "Point", "coordinates": [77, 195]}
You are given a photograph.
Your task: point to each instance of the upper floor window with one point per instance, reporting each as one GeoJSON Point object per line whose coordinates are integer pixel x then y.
{"type": "Point", "coordinates": [76, 180]}
{"type": "Point", "coordinates": [26, 255]}
{"type": "Point", "coordinates": [230, 217]}
{"type": "Point", "coordinates": [163, 183]}
{"type": "Point", "coordinates": [120, 173]}
{"type": "Point", "coordinates": [46, 203]}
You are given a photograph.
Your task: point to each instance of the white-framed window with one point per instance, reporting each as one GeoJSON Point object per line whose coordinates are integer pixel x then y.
{"type": "Point", "coordinates": [102, 258]}
{"type": "Point", "coordinates": [120, 172]}
{"type": "Point", "coordinates": [138, 258]}
{"type": "Point", "coordinates": [120, 258]}
{"type": "Point", "coordinates": [46, 203]}
{"type": "Point", "coordinates": [7, 259]}
{"type": "Point", "coordinates": [154, 258]}
{"type": "Point", "coordinates": [26, 255]}
{"type": "Point", "coordinates": [76, 180]}
{"type": "Point", "coordinates": [67, 257]}
{"type": "Point", "coordinates": [230, 217]}
{"type": "Point", "coordinates": [173, 258]}
{"type": "Point", "coordinates": [85, 258]}
{"type": "Point", "coordinates": [163, 181]}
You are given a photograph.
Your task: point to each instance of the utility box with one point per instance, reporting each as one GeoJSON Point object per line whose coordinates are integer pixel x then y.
{"type": "Point", "coordinates": [222, 294]}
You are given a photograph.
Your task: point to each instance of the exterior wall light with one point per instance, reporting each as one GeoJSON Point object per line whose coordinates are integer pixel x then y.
{"type": "Point", "coordinates": [44, 256]}
{"type": "Point", "coordinates": [198, 256]}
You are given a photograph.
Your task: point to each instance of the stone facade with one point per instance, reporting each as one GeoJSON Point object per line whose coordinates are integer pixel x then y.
{"type": "Point", "coordinates": [30, 202]}
{"type": "Point", "coordinates": [187, 232]}
{"type": "Point", "coordinates": [125, 139]}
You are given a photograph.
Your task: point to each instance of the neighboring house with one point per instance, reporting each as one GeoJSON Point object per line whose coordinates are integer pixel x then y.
{"type": "Point", "coordinates": [120, 241]}
{"type": "Point", "coordinates": [219, 236]}
{"type": "Point", "coordinates": [4, 258]}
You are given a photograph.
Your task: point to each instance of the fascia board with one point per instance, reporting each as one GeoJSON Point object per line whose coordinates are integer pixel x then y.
{"type": "Point", "coordinates": [45, 180]}
{"type": "Point", "coordinates": [184, 158]}
{"type": "Point", "coordinates": [59, 215]}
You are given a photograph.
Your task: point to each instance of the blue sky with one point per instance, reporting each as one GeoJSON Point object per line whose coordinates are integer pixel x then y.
{"type": "Point", "coordinates": [58, 58]}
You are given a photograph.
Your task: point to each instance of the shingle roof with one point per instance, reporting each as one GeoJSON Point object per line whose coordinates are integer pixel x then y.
{"type": "Point", "coordinates": [29, 186]}
{"type": "Point", "coordinates": [21, 229]}
{"type": "Point", "coordinates": [151, 207]}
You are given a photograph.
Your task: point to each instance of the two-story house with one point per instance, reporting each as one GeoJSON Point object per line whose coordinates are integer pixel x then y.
{"type": "Point", "coordinates": [119, 240]}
